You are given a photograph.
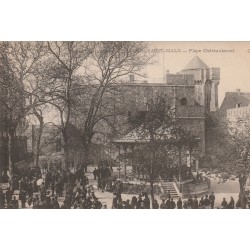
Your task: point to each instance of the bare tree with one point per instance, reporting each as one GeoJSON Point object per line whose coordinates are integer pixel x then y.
{"type": "Point", "coordinates": [17, 60]}
{"type": "Point", "coordinates": [108, 63]}
{"type": "Point", "coordinates": [62, 72]}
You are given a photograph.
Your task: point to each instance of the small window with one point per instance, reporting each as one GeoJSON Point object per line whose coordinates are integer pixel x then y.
{"type": "Point", "coordinates": [183, 101]}
{"type": "Point", "coordinates": [238, 105]}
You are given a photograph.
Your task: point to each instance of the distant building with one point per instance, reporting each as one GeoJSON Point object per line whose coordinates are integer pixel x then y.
{"type": "Point", "coordinates": [235, 99]}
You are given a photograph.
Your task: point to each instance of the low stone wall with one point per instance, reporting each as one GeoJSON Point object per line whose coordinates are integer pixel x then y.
{"type": "Point", "coordinates": [138, 188]}
{"type": "Point", "coordinates": [199, 188]}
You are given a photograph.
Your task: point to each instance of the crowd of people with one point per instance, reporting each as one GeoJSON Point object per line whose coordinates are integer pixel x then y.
{"type": "Point", "coordinates": [33, 189]}
{"type": "Point", "coordinates": [38, 190]}
{"type": "Point", "coordinates": [143, 202]}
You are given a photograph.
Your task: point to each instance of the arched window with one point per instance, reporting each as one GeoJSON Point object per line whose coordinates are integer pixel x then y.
{"type": "Point", "coordinates": [183, 101]}
{"type": "Point", "coordinates": [238, 105]}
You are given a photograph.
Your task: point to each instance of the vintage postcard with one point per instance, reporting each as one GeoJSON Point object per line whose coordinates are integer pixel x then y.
{"type": "Point", "coordinates": [124, 125]}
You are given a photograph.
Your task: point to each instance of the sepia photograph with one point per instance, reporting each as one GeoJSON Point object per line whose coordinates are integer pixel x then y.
{"type": "Point", "coordinates": [108, 105]}
{"type": "Point", "coordinates": [124, 125]}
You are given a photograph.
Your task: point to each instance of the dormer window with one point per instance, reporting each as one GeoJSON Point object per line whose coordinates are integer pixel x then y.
{"type": "Point", "coordinates": [238, 105]}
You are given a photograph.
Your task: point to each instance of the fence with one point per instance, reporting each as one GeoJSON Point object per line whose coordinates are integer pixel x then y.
{"type": "Point", "coordinates": [188, 189]}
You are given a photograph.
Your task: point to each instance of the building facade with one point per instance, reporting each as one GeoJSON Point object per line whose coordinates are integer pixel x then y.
{"type": "Point", "coordinates": [192, 92]}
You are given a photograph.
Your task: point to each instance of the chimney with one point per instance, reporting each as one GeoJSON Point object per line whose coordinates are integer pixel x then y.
{"type": "Point", "coordinates": [131, 78]}
{"type": "Point", "coordinates": [238, 91]}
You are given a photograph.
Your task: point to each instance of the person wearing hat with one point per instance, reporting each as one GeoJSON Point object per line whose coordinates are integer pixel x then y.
{"type": "Point", "coordinates": [155, 205]}
{"type": "Point", "coordinates": [163, 204]}
{"type": "Point", "coordinates": [190, 202]}
{"type": "Point", "coordinates": [207, 202]}
{"type": "Point", "coordinates": [185, 205]}
{"type": "Point", "coordinates": [124, 205]}
{"type": "Point", "coordinates": [14, 202]}
{"type": "Point", "coordinates": [119, 204]}
{"type": "Point", "coordinates": [115, 200]}
{"type": "Point", "coordinates": [212, 199]}
{"type": "Point", "coordinates": [128, 205]}
{"type": "Point", "coordinates": [168, 204]}
{"type": "Point", "coordinates": [201, 203]}
{"type": "Point", "coordinates": [224, 204]}
{"type": "Point", "coordinates": [179, 203]}
{"type": "Point", "coordinates": [22, 197]}
{"type": "Point", "coordinates": [139, 201]}
{"type": "Point", "coordinates": [231, 203]}
{"type": "Point", "coordinates": [133, 202]}
{"type": "Point", "coordinates": [8, 196]}
{"type": "Point", "coordinates": [172, 204]}
{"type": "Point", "coordinates": [97, 203]}
{"type": "Point", "coordinates": [195, 203]}
{"type": "Point", "coordinates": [146, 201]}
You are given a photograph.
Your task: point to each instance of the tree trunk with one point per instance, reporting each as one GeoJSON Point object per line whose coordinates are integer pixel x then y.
{"type": "Point", "coordinates": [242, 182]}
{"type": "Point", "coordinates": [65, 149]}
{"type": "Point", "coordinates": [38, 143]}
{"type": "Point", "coordinates": [152, 193]}
{"type": "Point", "coordinates": [86, 141]}
{"type": "Point", "coordinates": [152, 178]}
{"type": "Point", "coordinates": [11, 134]}
{"type": "Point", "coordinates": [190, 157]}
{"type": "Point", "coordinates": [179, 150]}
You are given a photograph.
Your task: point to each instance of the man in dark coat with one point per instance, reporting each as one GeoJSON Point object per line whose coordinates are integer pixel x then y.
{"type": "Point", "coordinates": [212, 199]}
{"type": "Point", "coordinates": [94, 173]}
{"type": "Point", "coordinates": [163, 204]}
{"type": "Point", "coordinates": [224, 204]}
{"type": "Point", "coordinates": [168, 204]}
{"type": "Point", "coordinates": [8, 196]}
{"type": "Point", "coordinates": [206, 202]}
{"type": "Point", "coordinates": [22, 197]}
{"type": "Point", "coordinates": [155, 204]}
{"type": "Point", "coordinates": [231, 203]}
{"type": "Point", "coordinates": [2, 198]}
{"type": "Point", "coordinates": [147, 201]}
{"type": "Point", "coordinates": [97, 203]}
{"type": "Point", "coordinates": [201, 203]}
{"type": "Point", "coordinates": [190, 202]}
{"type": "Point", "coordinates": [179, 204]}
{"type": "Point", "coordinates": [172, 204]}
{"type": "Point", "coordinates": [195, 203]}
{"type": "Point", "coordinates": [14, 203]}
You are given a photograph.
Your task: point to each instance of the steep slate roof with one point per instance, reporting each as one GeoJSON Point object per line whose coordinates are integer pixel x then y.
{"type": "Point", "coordinates": [245, 94]}
{"type": "Point", "coordinates": [196, 63]}
{"type": "Point", "coordinates": [231, 98]}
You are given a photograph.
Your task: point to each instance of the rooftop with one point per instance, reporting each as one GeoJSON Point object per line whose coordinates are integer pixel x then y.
{"type": "Point", "coordinates": [196, 63]}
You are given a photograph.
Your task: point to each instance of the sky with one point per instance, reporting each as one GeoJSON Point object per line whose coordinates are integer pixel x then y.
{"type": "Point", "coordinates": [233, 59]}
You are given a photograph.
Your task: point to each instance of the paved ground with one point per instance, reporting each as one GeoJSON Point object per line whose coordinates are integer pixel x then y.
{"type": "Point", "coordinates": [228, 189]}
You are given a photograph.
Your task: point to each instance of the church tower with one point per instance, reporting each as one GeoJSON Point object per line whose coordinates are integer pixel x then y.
{"type": "Point", "coordinates": [206, 83]}
{"type": "Point", "coordinates": [215, 78]}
